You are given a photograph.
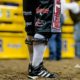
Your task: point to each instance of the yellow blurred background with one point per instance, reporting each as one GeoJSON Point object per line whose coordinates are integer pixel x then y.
{"type": "Point", "coordinates": [13, 35]}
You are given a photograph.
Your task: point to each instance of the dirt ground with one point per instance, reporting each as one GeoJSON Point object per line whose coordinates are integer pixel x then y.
{"type": "Point", "coordinates": [17, 69]}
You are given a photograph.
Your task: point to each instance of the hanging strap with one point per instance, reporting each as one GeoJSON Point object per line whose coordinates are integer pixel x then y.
{"type": "Point", "coordinates": [56, 17]}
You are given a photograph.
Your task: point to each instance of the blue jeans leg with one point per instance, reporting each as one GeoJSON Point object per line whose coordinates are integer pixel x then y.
{"type": "Point", "coordinates": [58, 43]}
{"type": "Point", "coordinates": [52, 47]}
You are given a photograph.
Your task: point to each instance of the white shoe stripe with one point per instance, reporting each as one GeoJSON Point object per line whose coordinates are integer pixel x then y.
{"type": "Point", "coordinates": [48, 75]}
{"type": "Point", "coordinates": [41, 72]}
{"type": "Point", "coordinates": [44, 74]}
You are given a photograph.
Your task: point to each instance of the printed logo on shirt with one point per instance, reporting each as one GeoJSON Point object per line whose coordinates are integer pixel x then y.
{"type": "Point", "coordinates": [39, 22]}
{"type": "Point", "coordinates": [42, 10]}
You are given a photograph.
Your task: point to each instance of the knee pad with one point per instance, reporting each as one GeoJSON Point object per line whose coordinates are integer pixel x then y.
{"type": "Point", "coordinates": [36, 41]}
{"type": "Point", "coordinates": [39, 39]}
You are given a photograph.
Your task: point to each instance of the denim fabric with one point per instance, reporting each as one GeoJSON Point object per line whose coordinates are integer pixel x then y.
{"type": "Point", "coordinates": [77, 32]}
{"type": "Point", "coordinates": [77, 38]}
{"type": "Point", "coordinates": [55, 46]}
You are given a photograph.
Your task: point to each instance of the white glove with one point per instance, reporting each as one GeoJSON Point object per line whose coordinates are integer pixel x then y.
{"type": "Point", "coordinates": [74, 7]}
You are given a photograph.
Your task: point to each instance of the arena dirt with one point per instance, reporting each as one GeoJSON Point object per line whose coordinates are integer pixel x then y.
{"type": "Point", "coordinates": [17, 69]}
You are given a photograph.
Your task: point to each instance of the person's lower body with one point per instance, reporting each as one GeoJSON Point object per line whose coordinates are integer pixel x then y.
{"type": "Point", "coordinates": [58, 46]}
{"type": "Point", "coordinates": [36, 68]}
{"type": "Point", "coordinates": [77, 39]}
{"type": "Point", "coordinates": [52, 47]}
{"type": "Point", "coordinates": [55, 46]}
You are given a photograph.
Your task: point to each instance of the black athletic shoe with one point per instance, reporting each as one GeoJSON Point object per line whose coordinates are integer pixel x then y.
{"type": "Point", "coordinates": [39, 71]}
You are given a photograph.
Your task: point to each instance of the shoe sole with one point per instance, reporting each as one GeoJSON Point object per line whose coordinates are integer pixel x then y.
{"type": "Point", "coordinates": [36, 77]}
{"type": "Point", "coordinates": [32, 77]}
